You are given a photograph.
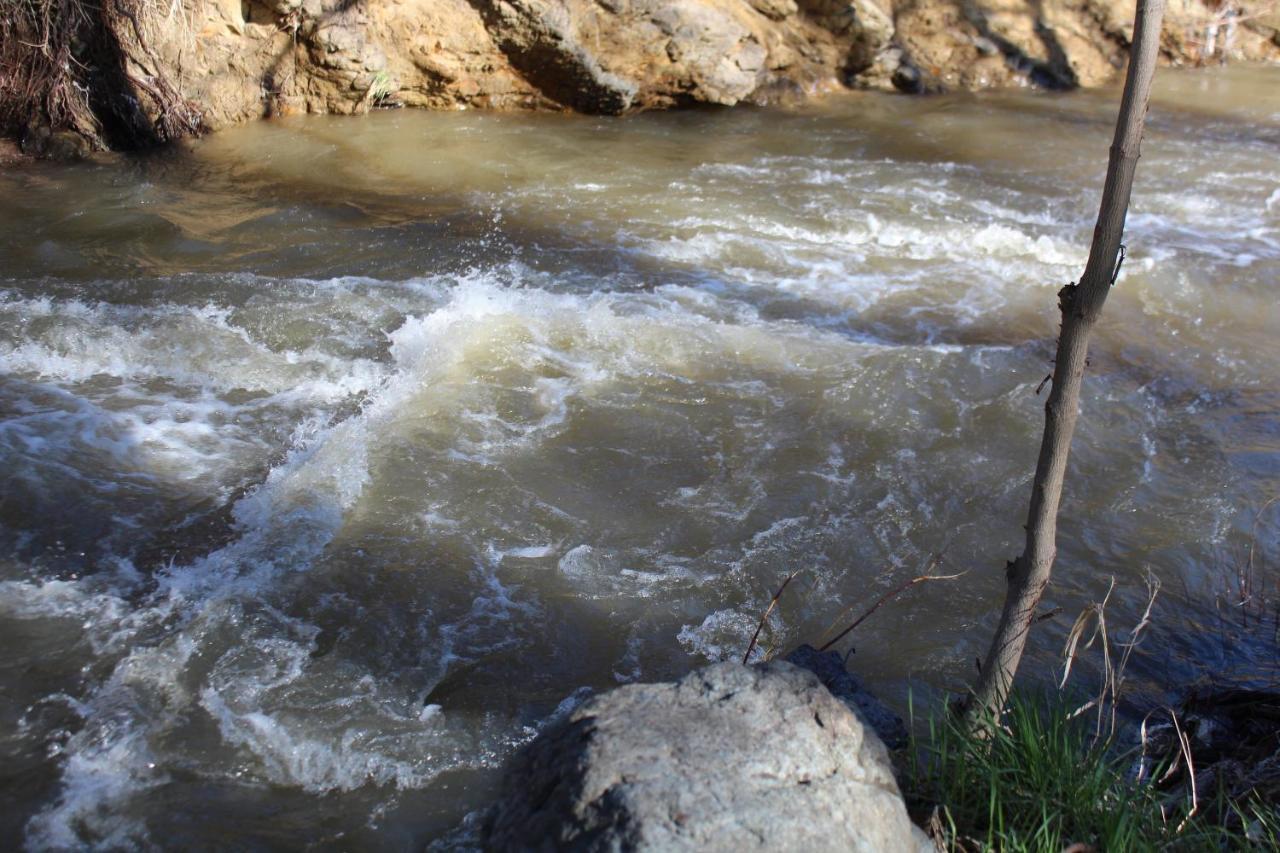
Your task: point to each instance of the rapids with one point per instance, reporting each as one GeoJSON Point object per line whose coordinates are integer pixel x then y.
{"type": "Point", "coordinates": [338, 455]}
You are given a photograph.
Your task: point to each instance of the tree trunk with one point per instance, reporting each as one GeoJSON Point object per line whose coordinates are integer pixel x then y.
{"type": "Point", "coordinates": [1081, 305]}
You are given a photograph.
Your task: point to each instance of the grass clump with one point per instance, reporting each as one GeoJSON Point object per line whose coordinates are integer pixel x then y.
{"type": "Point", "coordinates": [1041, 781]}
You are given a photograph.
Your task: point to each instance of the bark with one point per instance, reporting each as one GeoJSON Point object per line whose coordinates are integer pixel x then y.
{"type": "Point", "coordinates": [1081, 305]}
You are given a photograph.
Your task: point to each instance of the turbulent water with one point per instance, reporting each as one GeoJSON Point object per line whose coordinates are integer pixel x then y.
{"type": "Point", "coordinates": [340, 455]}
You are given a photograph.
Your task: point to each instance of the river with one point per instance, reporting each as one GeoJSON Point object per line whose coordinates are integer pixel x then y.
{"type": "Point", "coordinates": [339, 455]}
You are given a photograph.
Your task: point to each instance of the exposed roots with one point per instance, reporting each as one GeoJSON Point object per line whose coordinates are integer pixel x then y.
{"type": "Point", "coordinates": [80, 74]}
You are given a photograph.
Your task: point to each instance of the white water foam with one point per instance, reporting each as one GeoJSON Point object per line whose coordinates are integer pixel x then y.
{"type": "Point", "coordinates": [285, 524]}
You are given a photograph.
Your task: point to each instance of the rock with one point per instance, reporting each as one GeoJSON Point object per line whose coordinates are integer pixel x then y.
{"type": "Point", "coordinates": [218, 62]}
{"type": "Point", "coordinates": [845, 686]}
{"type": "Point", "coordinates": [865, 23]}
{"type": "Point", "coordinates": [728, 758]}
{"type": "Point", "coordinates": [985, 46]}
{"type": "Point", "coordinates": [775, 9]}
{"type": "Point", "coordinates": [906, 78]}
{"type": "Point", "coordinates": [44, 142]}
{"type": "Point", "coordinates": [265, 57]}
{"type": "Point", "coordinates": [1231, 730]}
{"type": "Point", "coordinates": [540, 39]}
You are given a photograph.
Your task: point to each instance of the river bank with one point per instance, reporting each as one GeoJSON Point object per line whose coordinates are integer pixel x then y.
{"type": "Point", "coordinates": [135, 73]}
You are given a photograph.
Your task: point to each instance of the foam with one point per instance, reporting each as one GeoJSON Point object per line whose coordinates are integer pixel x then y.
{"type": "Point", "coordinates": [723, 635]}
{"type": "Point", "coordinates": [333, 762]}
{"type": "Point", "coordinates": [106, 766]}
{"type": "Point", "coordinates": [197, 346]}
{"type": "Point", "coordinates": [838, 264]}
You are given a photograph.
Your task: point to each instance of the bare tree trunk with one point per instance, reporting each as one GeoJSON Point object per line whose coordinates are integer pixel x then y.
{"type": "Point", "coordinates": [1081, 305]}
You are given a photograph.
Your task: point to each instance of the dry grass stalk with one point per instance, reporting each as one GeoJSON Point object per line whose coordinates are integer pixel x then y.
{"type": "Point", "coordinates": [1108, 699]}
{"type": "Point", "coordinates": [1183, 757]}
{"type": "Point", "coordinates": [1246, 578]}
{"type": "Point", "coordinates": [1245, 603]}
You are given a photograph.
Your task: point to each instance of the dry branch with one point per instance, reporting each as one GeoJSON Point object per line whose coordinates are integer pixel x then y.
{"type": "Point", "coordinates": [773, 602]}
{"type": "Point", "coordinates": [888, 596]}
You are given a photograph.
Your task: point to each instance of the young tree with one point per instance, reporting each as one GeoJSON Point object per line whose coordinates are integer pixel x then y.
{"type": "Point", "coordinates": [1081, 305]}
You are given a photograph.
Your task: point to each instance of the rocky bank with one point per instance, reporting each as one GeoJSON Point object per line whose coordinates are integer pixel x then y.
{"type": "Point", "coordinates": [145, 71]}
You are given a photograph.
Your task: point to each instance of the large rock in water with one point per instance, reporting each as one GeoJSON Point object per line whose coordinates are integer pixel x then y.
{"type": "Point", "coordinates": [848, 688]}
{"type": "Point", "coordinates": [728, 758]}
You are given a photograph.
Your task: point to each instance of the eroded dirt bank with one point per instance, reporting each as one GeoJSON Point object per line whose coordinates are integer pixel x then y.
{"type": "Point", "coordinates": [128, 72]}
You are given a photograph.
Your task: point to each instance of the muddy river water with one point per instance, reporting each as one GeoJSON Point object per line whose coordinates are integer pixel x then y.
{"type": "Point", "coordinates": [338, 455]}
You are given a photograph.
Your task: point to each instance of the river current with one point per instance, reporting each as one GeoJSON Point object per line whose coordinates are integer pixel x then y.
{"type": "Point", "coordinates": [339, 455]}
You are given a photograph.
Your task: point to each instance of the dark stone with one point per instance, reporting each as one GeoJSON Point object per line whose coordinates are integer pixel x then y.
{"type": "Point", "coordinates": [845, 686]}
{"type": "Point", "coordinates": [907, 78]}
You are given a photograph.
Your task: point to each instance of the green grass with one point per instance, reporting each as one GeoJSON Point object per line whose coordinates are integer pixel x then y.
{"type": "Point", "coordinates": [1040, 783]}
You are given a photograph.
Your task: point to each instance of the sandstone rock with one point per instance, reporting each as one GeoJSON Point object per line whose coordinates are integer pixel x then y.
{"type": "Point", "coordinates": [866, 24]}
{"type": "Point", "coordinates": [224, 61]}
{"type": "Point", "coordinates": [540, 39]}
{"type": "Point", "coordinates": [775, 9]}
{"type": "Point", "coordinates": [728, 758]}
{"type": "Point", "coordinates": [264, 57]}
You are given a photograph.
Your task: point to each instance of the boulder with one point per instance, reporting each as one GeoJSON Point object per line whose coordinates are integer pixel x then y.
{"type": "Point", "coordinates": [1231, 731]}
{"type": "Point", "coordinates": [729, 757]}
{"type": "Point", "coordinates": [849, 689]}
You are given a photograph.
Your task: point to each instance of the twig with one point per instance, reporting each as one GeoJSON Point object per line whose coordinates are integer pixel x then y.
{"type": "Point", "coordinates": [891, 594]}
{"type": "Point", "coordinates": [1253, 532]}
{"type": "Point", "coordinates": [1124, 253]}
{"type": "Point", "coordinates": [773, 602]}
{"type": "Point", "coordinates": [1047, 615]}
{"type": "Point", "coordinates": [933, 562]}
{"type": "Point", "coordinates": [1183, 755]}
